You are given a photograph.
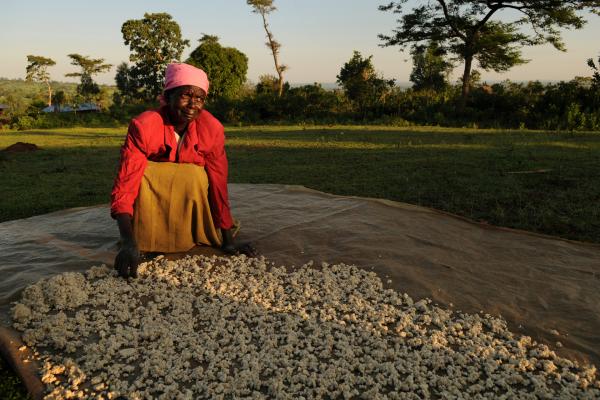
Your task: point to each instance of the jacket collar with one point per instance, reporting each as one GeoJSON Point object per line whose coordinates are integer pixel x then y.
{"type": "Point", "coordinates": [190, 138]}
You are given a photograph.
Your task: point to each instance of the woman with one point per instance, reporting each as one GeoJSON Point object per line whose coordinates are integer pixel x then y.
{"type": "Point", "coordinates": [170, 192]}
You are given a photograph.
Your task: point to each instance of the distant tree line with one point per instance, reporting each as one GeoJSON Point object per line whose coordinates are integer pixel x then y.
{"type": "Point", "coordinates": [440, 34]}
{"type": "Point", "coordinates": [369, 99]}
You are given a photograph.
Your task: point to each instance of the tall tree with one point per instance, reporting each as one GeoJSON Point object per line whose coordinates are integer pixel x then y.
{"type": "Point", "coordinates": [430, 67]}
{"type": "Point", "coordinates": [126, 90]}
{"type": "Point", "coordinates": [469, 29]}
{"type": "Point", "coordinates": [87, 88]}
{"type": "Point", "coordinates": [596, 74]}
{"type": "Point", "coordinates": [267, 84]}
{"type": "Point", "coordinates": [265, 7]}
{"type": "Point", "coordinates": [37, 71]}
{"type": "Point", "coordinates": [361, 83]}
{"type": "Point", "coordinates": [226, 67]}
{"type": "Point", "coordinates": [154, 42]}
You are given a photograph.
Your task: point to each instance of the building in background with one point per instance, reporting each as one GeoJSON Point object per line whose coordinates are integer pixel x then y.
{"type": "Point", "coordinates": [81, 108]}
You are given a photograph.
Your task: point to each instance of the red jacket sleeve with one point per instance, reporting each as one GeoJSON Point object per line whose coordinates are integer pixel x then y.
{"type": "Point", "coordinates": [131, 170]}
{"type": "Point", "coordinates": [217, 169]}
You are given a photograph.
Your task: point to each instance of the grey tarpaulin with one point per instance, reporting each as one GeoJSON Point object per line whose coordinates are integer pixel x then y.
{"type": "Point", "coordinates": [538, 283]}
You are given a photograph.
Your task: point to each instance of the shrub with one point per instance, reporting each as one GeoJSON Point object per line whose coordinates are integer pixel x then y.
{"type": "Point", "coordinates": [24, 122]}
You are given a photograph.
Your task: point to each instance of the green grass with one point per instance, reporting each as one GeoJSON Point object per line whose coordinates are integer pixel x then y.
{"type": "Point", "coordinates": [486, 175]}
{"type": "Point", "coordinates": [74, 167]}
{"type": "Point", "coordinates": [11, 387]}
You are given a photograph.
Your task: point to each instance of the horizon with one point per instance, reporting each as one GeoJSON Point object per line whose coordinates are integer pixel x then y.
{"type": "Point", "coordinates": [314, 45]}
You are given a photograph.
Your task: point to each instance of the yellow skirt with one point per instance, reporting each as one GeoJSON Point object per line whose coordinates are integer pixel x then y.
{"type": "Point", "coordinates": [172, 212]}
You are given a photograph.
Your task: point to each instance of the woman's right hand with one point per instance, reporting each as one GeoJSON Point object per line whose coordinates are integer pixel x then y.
{"type": "Point", "coordinates": [127, 260]}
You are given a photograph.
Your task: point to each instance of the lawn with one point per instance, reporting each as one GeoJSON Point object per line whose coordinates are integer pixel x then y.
{"type": "Point", "coordinates": [545, 182]}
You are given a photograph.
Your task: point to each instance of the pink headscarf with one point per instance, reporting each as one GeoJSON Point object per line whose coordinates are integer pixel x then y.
{"type": "Point", "coordinates": [180, 74]}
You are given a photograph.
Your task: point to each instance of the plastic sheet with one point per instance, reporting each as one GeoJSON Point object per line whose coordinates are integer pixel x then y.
{"type": "Point", "coordinates": [539, 284]}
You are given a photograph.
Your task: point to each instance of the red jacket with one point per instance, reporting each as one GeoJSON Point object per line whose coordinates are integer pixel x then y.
{"type": "Point", "coordinates": [151, 137]}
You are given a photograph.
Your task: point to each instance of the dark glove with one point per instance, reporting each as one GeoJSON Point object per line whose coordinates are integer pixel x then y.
{"type": "Point", "coordinates": [236, 249]}
{"type": "Point", "coordinates": [229, 245]}
{"type": "Point", "coordinates": [126, 262]}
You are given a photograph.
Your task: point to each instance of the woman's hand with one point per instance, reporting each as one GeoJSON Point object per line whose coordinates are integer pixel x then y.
{"type": "Point", "coordinates": [127, 260]}
{"type": "Point", "coordinates": [229, 245]}
{"type": "Point", "coordinates": [235, 249]}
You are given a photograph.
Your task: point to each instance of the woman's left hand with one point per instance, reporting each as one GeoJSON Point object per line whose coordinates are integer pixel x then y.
{"type": "Point", "coordinates": [236, 249]}
{"type": "Point", "coordinates": [231, 247]}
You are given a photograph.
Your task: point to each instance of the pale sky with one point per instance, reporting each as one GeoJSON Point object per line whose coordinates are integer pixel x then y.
{"type": "Point", "coordinates": [317, 37]}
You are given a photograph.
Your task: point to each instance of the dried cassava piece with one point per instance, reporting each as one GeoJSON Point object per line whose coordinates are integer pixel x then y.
{"type": "Point", "coordinates": [242, 328]}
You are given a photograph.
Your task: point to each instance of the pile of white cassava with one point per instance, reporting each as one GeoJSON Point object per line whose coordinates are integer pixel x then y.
{"type": "Point", "coordinates": [242, 328]}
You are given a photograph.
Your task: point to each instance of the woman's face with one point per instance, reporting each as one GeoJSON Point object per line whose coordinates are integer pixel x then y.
{"type": "Point", "coordinates": [185, 103]}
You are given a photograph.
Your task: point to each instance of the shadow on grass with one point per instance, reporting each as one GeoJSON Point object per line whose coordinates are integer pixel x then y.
{"type": "Point", "coordinates": [435, 133]}
{"type": "Point", "coordinates": [53, 179]}
{"type": "Point", "coordinates": [11, 387]}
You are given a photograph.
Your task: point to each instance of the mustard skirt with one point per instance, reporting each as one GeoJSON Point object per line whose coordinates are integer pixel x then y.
{"type": "Point", "coordinates": [172, 211]}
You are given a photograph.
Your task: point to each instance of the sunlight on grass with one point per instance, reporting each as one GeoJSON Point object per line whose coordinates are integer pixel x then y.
{"type": "Point", "coordinates": [565, 145]}
{"type": "Point", "coordinates": [66, 138]}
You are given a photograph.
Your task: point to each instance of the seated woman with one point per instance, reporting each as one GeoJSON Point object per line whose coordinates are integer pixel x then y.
{"type": "Point", "coordinates": [170, 192]}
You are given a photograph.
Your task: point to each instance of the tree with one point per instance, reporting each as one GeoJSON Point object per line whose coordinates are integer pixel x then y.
{"type": "Point", "coordinates": [596, 69]}
{"type": "Point", "coordinates": [87, 88]}
{"type": "Point", "coordinates": [154, 42]}
{"type": "Point", "coordinates": [265, 7]}
{"type": "Point", "coordinates": [267, 84]}
{"type": "Point", "coordinates": [60, 99]}
{"type": "Point", "coordinates": [430, 68]}
{"type": "Point", "coordinates": [126, 90]}
{"type": "Point", "coordinates": [37, 71]}
{"type": "Point", "coordinates": [466, 28]}
{"type": "Point", "coordinates": [226, 67]}
{"type": "Point", "coordinates": [593, 97]}
{"type": "Point", "coordinates": [360, 82]}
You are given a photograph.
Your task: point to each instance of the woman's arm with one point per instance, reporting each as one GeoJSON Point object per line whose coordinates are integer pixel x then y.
{"type": "Point", "coordinates": [127, 259]}
{"type": "Point", "coordinates": [217, 170]}
{"type": "Point", "coordinates": [125, 190]}
{"type": "Point", "coordinates": [131, 170]}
